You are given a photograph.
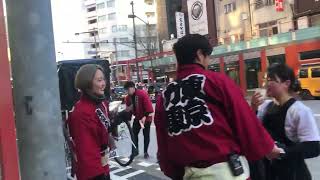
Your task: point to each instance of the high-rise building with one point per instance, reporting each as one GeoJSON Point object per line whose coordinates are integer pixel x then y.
{"type": "Point", "coordinates": [166, 10]}
{"type": "Point", "coordinates": [110, 30]}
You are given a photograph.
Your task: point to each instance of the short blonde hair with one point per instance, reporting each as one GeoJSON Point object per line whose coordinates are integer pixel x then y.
{"type": "Point", "coordinates": [85, 75]}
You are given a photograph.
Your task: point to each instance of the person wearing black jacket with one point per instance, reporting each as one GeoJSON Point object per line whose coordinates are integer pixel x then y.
{"type": "Point", "coordinates": [290, 123]}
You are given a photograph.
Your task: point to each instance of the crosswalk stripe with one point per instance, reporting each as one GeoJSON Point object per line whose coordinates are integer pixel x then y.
{"type": "Point", "coordinates": [132, 174]}
{"type": "Point", "coordinates": [317, 115]}
{"type": "Point", "coordinates": [125, 159]}
{"type": "Point", "coordinates": [121, 169]}
{"type": "Point", "coordinates": [145, 164]}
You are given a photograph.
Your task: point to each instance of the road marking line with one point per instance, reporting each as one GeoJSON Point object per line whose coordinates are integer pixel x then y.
{"type": "Point", "coordinates": [125, 159]}
{"type": "Point", "coordinates": [145, 164]}
{"type": "Point", "coordinates": [121, 169]}
{"type": "Point", "coordinates": [317, 115]}
{"type": "Point", "coordinates": [132, 174]}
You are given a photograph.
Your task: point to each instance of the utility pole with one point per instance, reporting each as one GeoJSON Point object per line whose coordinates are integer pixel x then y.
{"type": "Point", "coordinates": [36, 91]}
{"type": "Point", "coordinates": [149, 46]}
{"type": "Point", "coordinates": [135, 41]}
{"type": "Point", "coordinates": [116, 58]}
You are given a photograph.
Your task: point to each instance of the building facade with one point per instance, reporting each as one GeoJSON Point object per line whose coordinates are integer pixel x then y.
{"type": "Point", "coordinates": [110, 31]}
{"type": "Point", "coordinates": [306, 13]}
{"type": "Point", "coordinates": [233, 21]}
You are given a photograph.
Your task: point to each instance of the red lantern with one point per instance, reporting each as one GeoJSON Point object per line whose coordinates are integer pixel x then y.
{"type": "Point", "coordinates": [279, 5]}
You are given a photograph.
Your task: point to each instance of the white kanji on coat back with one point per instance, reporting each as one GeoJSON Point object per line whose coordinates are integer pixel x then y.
{"type": "Point", "coordinates": [185, 105]}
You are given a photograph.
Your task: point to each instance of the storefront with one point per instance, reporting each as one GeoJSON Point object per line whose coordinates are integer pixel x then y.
{"type": "Point", "coordinates": [214, 65]}
{"type": "Point", "coordinates": [252, 69]}
{"type": "Point", "coordinates": [276, 55]}
{"type": "Point", "coordinates": [231, 67]}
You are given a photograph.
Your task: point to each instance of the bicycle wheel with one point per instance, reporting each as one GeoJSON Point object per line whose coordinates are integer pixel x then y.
{"type": "Point", "coordinates": [124, 144]}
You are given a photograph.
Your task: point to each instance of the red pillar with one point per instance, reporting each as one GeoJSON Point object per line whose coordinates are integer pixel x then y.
{"type": "Point", "coordinates": [8, 146]}
{"type": "Point", "coordinates": [242, 74]}
{"type": "Point", "coordinates": [292, 59]}
{"type": "Point", "coordinates": [264, 61]}
{"type": "Point", "coordinates": [128, 71]}
{"type": "Point", "coordinates": [264, 64]}
{"type": "Point", "coordinates": [140, 73]}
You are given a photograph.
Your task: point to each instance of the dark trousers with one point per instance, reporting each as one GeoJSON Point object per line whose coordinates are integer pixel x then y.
{"type": "Point", "coordinates": [146, 134]}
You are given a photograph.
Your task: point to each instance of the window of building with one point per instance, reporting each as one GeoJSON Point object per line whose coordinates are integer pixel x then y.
{"type": "Point", "coordinates": [280, 59]}
{"type": "Point", "coordinates": [150, 14]}
{"type": "Point", "coordinates": [94, 45]}
{"type": "Point", "coordinates": [259, 4]}
{"type": "Point", "coordinates": [315, 72]}
{"type": "Point", "coordinates": [310, 55]}
{"type": "Point", "coordinates": [241, 37]}
{"type": "Point", "coordinates": [112, 16]}
{"type": "Point", "coordinates": [228, 8]}
{"type": "Point", "coordinates": [103, 31]}
{"type": "Point", "coordinates": [102, 18]}
{"type": "Point", "coordinates": [122, 40]}
{"type": "Point", "coordinates": [270, 2]}
{"type": "Point", "coordinates": [114, 28]}
{"type": "Point", "coordinates": [91, 9]}
{"type": "Point", "coordinates": [227, 40]}
{"type": "Point", "coordinates": [268, 29]}
{"type": "Point", "coordinates": [93, 33]}
{"type": "Point", "coordinates": [111, 3]}
{"type": "Point", "coordinates": [149, 2]}
{"type": "Point", "coordinates": [122, 28]}
{"type": "Point", "coordinates": [92, 21]}
{"type": "Point", "coordinates": [101, 6]}
{"type": "Point", "coordinates": [303, 73]}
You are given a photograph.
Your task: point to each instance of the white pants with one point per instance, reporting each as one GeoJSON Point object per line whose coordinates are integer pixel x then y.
{"type": "Point", "coordinates": [220, 171]}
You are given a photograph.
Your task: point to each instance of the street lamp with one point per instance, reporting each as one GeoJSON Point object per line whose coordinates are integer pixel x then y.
{"type": "Point", "coordinates": [133, 16]}
{"type": "Point", "coordinates": [94, 32]}
{"type": "Point", "coordinates": [135, 40]}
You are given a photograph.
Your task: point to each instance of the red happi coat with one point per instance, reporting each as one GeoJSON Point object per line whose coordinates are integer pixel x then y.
{"type": "Point", "coordinates": [210, 138]}
{"type": "Point", "coordinates": [143, 104]}
{"type": "Point", "coordinates": [89, 138]}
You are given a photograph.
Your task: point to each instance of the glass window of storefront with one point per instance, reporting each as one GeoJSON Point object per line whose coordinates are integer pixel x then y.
{"type": "Point", "coordinates": [214, 67]}
{"type": "Point", "coordinates": [232, 70]}
{"type": "Point", "coordinates": [253, 71]}
{"type": "Point", "coordinates": [281, 58]}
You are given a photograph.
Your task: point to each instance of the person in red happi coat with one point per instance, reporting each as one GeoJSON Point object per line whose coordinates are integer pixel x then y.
{"type": "Point", "coordinates": [88, 125]}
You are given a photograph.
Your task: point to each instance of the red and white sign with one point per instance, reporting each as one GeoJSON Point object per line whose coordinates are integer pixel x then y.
{"type": "Point", "coordinates": [279, 5]}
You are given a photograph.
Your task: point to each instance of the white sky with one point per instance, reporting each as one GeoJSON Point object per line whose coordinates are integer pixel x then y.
{"type": "Point", "coordinates": [67, 20]}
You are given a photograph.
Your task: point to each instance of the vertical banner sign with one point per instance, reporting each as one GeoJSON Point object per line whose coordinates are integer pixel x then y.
{"type": "Point", "coordinates": [198, 19]}
{"type": "Point", "coordinates": [180, 24]}
{"type": "Point", "coordinates": [279, 5]}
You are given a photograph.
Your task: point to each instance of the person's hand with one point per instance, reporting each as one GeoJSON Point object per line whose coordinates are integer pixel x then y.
{"type": "Point", "coordinates": [256, 100]}
{"type": "Point", "coordinates": [275, 153]}
{"type": "Point", "coordinates": [142, 121]}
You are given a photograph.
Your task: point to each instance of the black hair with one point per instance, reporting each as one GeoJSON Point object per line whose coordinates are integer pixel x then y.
{"type": "Point", "coordinates": [129, 84]}
{"type": "Point", "coordinates": [285, 73]}
{"type": "Point", "coordinates": [186, 48]}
